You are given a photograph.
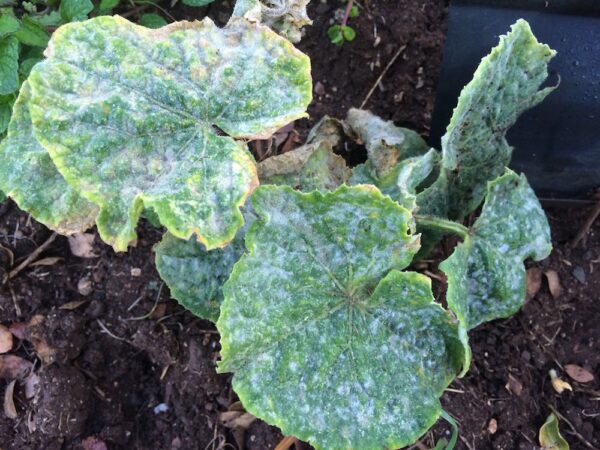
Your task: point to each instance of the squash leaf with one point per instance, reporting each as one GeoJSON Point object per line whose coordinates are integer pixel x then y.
{"type": "Point", "coordinates": [196, 276]}
{"type": "Point", "coordinates": [387, 145]}
{"type": "Point", "coordinates": [9, 65]}
{"type": "Point", "coordinates": [550, 437]}
{"type": "Point", "coordinates": [28, 175]}
{"type": "Point", "coordinates": [486, 275]}
{"type": "Point", "coordinates": [326, 338]}
{"type": "Point", "coordinates": [129, 116]}
{"type": "Point", "coordinates": [474, 148]}
{"type": "Point", "coordinates": [286, 17]}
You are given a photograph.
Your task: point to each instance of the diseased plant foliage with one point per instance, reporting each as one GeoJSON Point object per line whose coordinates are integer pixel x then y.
{"type": "Point", "coordinates": [326, 335]}
{"type": "Point", "coordinates": [127, 115]}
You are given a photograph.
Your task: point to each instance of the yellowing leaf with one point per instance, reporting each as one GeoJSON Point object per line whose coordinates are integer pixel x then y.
{"type": "Point", "coordinates": [550, 437]}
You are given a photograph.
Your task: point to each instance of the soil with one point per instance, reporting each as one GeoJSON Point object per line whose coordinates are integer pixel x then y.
{"type": "Point", "coordinates": [117, 364]}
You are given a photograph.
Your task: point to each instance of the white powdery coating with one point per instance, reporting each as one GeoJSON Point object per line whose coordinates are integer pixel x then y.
{"type": "Point", "coordinates": [314, 349]}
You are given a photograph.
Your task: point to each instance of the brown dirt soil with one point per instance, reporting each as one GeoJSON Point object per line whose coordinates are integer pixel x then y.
{"type": "Point", "coordinates": [130, 369]}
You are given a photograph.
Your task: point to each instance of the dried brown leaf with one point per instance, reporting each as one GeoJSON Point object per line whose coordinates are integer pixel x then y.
{"type": "Point", "coordinates": [578, 373]}
{"type": "Point", "coordinates": [14, 367]}
{"type": "Point", "coordinates": [50, 261]}
{"type": "Point", "coordinates": [553, 283]}
{"type": "Point", "coordinates": [6, 339]}
{"type": "Point", "coordinates": [10, 410]}
{"type": "Point", "coordinates": [82, 245]}
{"type": "Point", "coordinates": [514, 385]}
{"type": "Point", "coordinates": [533, 281]}
{"type": "Point", "coordinates": [236, 419]}
{"type": "Point", "coordinates": [70, 306]}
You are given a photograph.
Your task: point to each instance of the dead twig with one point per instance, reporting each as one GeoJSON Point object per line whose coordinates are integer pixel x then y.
{"type": "Point", "coordinates": [392, 61]}
{"type": "Point", "coordinates": [32, 257]}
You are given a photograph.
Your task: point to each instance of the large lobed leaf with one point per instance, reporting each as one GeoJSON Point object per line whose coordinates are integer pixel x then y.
{"type": "Point", "coordinates": [194, 275]}
{"type": "Point", "coordinates": [28, 175]}
{"type": "Point", "coordinates": [486, 275]}
{"type": "Point", "coordinates": [326, 338]}
{"type": "Point", "coordinates": [474, 148]}
{"type": "Point", "coordinates": [128, 116]}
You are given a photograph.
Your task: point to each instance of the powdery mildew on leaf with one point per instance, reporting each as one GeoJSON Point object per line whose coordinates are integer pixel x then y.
{"type": "Point", "coordinates": [194, 275]}
{"type": "Point", "coordinates": [486, 275]}
{"type": "Point", "coordinates": [9, 65]}
{"type": "Point", "coordinates": [474, 148]}
{"type": "Point", "coordinates": [128, 115]}
{"type": "Point", "coordinates": [28, 175]}
{"type": "Point", "coordinates": [411, 173]}
{"type": "Point", "coordinates": [319, 344]}
{"type": "Point", "coordinates": [286, 17]}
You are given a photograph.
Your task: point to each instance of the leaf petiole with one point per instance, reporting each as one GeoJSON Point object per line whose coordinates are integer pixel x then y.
{"type": "Point", "coordinates": [444, 225]}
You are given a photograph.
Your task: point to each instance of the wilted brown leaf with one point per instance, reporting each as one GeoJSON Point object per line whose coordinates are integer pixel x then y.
{"type": "Point", "coordinates": [14, 367]}
{"type": "Point", "coordinates": [533, 281]}
{"type": "Point", "coordinates": [236, 419]}
{"type": "Point", "coordinates": [70, 306]}
{"type": "Point", "coordinates": [82, 245]}
{"type": "Point", "coordinates": [10, 410]}
{"type": "Point", "coordinates": [578, 373]}
{"type": "Point", "coordinates": [553, 283]}
{"type": "Point", "coordinates": [6, 339]}
{"type": "Point", "coordinates": [514, 385]}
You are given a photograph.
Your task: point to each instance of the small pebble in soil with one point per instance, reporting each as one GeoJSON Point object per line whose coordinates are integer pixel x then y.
{"type": "Point", "coordinates": [160, 408]}
{"type": "Point", "coordinates": [136, 272]}
{"type": "Point", "coordinates": [579, 274]}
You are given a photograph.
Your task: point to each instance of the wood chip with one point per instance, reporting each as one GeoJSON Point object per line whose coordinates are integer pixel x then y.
{"type": "Point", "coordinates": [578, 373]}
{"type": "Point", "coordinates": [6, 339]}
{"type": "Point", "coordinates": [286, 443]}
{"type": "Point", "coordinates": [533, 281]}
{"type": "Point", "coordinates": [82, 245]}
{"type": "Point", "coordinates": [553, 283]}
{"type": "Point", "coordinates": [10, 410]}
{"type": "Point", "coordinates": [14, 367]}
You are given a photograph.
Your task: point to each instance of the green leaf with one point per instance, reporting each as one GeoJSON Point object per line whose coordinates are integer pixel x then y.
{"type": "Point", "coordinates": [474, 148]}
{"type": "Point", "coordinates": [195, 276]}
{"type": "Point", "coordinates": [8, 25]}
{"type": "Point", "coordinates": [335, 35]}
{"type": "Point", "coordinates": [326, 340]}
{"type": "Point", "coordinates": [75, 10]}
{"type": "Point", "coordinates": [6, 105]}
{"type": "Point", "coordinates": [287, 18]}
{"type": "Point", "coordinates": [128, 116]}
{"type": "Point", "coordinates": [151, 20]}
{"type": "Point", "coordinates": [32, 33]}
{"type": "Point", "coordinates": [486, 275]}
{"type": "Point", "coordinates": [50, 19]}
{"type": "Point", "coordinates": [28, 175]}
{"type": "Point", "coordinates": [348, 33]}
{"type": "Point", "coordinates": [311, 166]}
{"type": "Point", "coordinates": [354, 12]}
{"type": "Point", "coordinates": [195, 3]}
{"type": "Point", "coordinates": [550, 437]}
{"type": "Point", "coordinates": [106, 6]}
{"type": "Point", "coordinates": [9, 65]}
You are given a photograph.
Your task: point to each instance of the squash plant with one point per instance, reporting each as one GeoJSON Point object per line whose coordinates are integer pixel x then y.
{"type": "Point", "coordinates": [328, 335]}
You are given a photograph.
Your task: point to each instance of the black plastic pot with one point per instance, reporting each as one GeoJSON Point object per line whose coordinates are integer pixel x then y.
{"type": "Point", "coordinates": [557, 144]}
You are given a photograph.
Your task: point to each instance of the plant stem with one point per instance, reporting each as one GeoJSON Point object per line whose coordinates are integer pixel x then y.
{"type": "Point", "coordinates": [347, 12]}
{"type": "Point", "coordinates": [445, 225]}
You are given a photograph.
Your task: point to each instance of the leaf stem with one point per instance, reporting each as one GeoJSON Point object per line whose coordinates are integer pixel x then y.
{"type": "Point", "coordinates": [445, 225]}
{"type": "Point", "coordinates": [347, 12]}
